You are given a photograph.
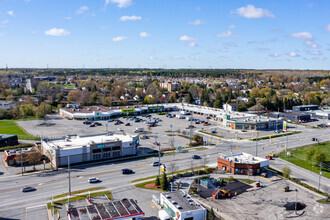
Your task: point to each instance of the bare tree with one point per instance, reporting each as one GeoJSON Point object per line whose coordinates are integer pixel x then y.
{"type": "Point", "coordinates": [326, 189]}
{"type": "Point", "coordinates": [33, 157]}
{"type": "Point", "coordinates": [205, 161]}
{"type": "Point", "coordinates": [172, 167]}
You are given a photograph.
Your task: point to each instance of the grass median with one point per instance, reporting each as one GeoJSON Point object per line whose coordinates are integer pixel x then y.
{"type": "Point", "coordinates": [298, 157]}
{"type": "Point", "coordinates": [275, 136]}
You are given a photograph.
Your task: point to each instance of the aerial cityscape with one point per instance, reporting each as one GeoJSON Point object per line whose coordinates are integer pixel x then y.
{"type": "Point", "coordinates": [183, 110]}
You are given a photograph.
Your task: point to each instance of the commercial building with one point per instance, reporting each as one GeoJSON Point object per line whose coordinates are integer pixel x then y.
{"type": "Point", "coordinates": [8, 140]}
{"type": "Point", "coordinates": [292, 116]}
{"type": "Point", "coordinates": [14, 156]}
{"type": "Point", "coordinates": [180, 206]}
{"type": "Point", "coordinates": [303, 108]}
{"type": "Point", "coordinates": [117, 209]}
{"type": "Point", "coordinates": [242, 163]}
{"type": "Point", "coordinates": [230, 107]}
{"type": "Point", "coordinates": [252, 123]}
{"type": "Point", "coordinates": [104, 113]}
{"type": "Point", "coordinates": [170, 86]}
{"type": "Point", "coordinates": [80, 149]}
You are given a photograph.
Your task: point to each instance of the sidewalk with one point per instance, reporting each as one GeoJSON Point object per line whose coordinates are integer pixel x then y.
{"type": "Point", "coordinates": [301, 174]}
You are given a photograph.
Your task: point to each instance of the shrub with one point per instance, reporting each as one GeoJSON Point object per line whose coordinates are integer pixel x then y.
{"type": "Point", "coordinates": [231, 179]}
{"type": "Point", "coordinates": [210, 169]}
{"type": "Point", "coordinates": [157, 181]}
{"type": "Point", "coordinates": [286, 171]}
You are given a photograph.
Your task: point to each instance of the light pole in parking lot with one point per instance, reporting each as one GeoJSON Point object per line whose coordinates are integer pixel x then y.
{"type": "Point", "coordinates": [69, 175]}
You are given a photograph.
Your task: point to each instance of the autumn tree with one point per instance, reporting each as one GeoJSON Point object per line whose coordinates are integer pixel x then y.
{"type": "Point", "coordinates": [74, 96]}
{"type": "Point", "coordinates": [33, 157]}
{"type": "Point", "coordinates": [42, 110]}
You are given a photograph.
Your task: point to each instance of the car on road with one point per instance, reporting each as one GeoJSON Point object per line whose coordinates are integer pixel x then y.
{"type": "Point", "coordinates": [144, 137]}
{"type": "Point", "coordinates": [127, 124]}
{"type": "Point", "coordinates": [126, 171]}
{"type": "Point", "coordinates": [213, 131]}
{"type": "Point", "coordinates": [196, 157]}
{"type": "Point", "coordinates": [28, 189]}
{"type": "Point", "coordinates": [156, 143]}
{"type": "Point", "coordinates": [94, 180]}
{"type": "Point", "coordinates": [314, 139]}
{"type": "Point", "coordinates": [156, 164]}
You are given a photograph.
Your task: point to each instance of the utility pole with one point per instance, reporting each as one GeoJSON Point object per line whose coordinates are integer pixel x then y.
{"type": "Point", "coordinates": [22, 161]}
{"type": "Point", "coordinates": [286, 145]}
{"type": "Point", "coordinates": [69, 175]}
{"type": "Point", "coordinates": [257, 143]}
{"type": "Point", "coordinates": [190, 133]}
{"type": "Point", "coordinates": [320, 174]}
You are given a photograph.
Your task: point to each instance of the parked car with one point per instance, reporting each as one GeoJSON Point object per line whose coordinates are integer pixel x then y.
{"type": "Point", "coordinates": [196, 157]}
{"type": "Point", "coordinates": [98, 123]}
{"type": "Point", "coordinates": [156, 164]}
{"type": "Point", "coordinates": [126, 171]}
{"type": "Point", "coordinates": [110, 120]}
{"type": "Point", "coordinates": [94, 180]}
{"type": "Point", "coordinates": [92, 125]}
{"type": "Point", "coordinates": [116, 123]}
{"type": "Point", "coordinates": [28, 189]}
{"type": "Point", "coordinates": [156, 143]}
{"type": "Point", "coordinates": [197, 122]}
{"type": "Point", "coordinates": [87, 122]}
{"type": "Point", "coordinates": [314, 139]}
{"type": "Point", "coordinates": [127, 124]}
{"type": "Point", "coordinates": [119, 129]}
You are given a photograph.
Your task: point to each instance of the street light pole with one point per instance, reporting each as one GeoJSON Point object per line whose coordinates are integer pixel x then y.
{"type": "Point", "coordinates": [320, 174]}
{"type": "Point", "coordinates": [22, 161]}
{"type": "Point", "coordinates": [295, 205]}
{"type": "Point", "coordinates": [69, 175]}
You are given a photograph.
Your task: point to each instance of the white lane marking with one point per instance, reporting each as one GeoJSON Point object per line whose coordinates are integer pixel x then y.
{"type": "Point", "coordinates": [36, 206]}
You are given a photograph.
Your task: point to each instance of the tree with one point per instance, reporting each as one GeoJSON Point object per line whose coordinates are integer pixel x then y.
{"type": "Point", "coordinates": [211, 214]}
{"type": "Point", "coordinates": [189, 98]}
{"type": "Point", "coordinates": [319, 157]}
{"type": "Point", "coordinates": [33, 157]}
{"type": "Point", "coordinates": [157, 181]}
{"type": "Point", "coordinates": [172, 167]}
{"type": "Point", "coordinates": [173, 97]}
{"type": "Point", "coordinates": [197, 138]}
{"type": "Point", "coordinates": [149, 99]}
{"type": "Point", "coordinates": [286, 171]}
{"type": "Point", "coordinates": [309, 154]}
{"type": "Point", "coordinates": [74, 95]}
{"type": "Point", "coordinates": [42, 110]}
{"type": "Point", "coordinates": [164, 182]}
{"type": "Point", "coordinates": [26, 110]}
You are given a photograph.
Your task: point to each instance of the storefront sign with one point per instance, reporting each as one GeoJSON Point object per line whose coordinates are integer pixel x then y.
{"type": "Point", "coordinates": [124, 111]}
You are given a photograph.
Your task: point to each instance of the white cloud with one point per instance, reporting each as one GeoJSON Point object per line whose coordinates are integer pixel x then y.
{"type": "Point", "coordinates": [328, 27]}
{"type": "Point", "coordinates": [312, 44]}
{"type": "Point", "coordinates": [196, 22]}
{"type": "Point", "coordinates": [250, 11]}
{"type": "Point", "coordinates": [274, 55]}
{"type": "Point", "coordinates": [225, 34]}
{"type": "Point", "coordinates": [68, 18]}
{"type": "Point", "coordinates": [130, 18]}
{"type": "Point", "coordinates": [57, 32]}
{"type": "Point", "coordinates": [120, 3]}
{"type": "Point", "coordinates": [302, 35]}
{"type": "Point", "coordinates": [82, 10]}
{"type": "Point", "coordinates": [232, 26]}
{"type": "Point", "coordinates": [144, 34]}
{"type": "Point", "coordinates": [186, 38]}
{"type": "Point", "coordinates": [11, 13]}
{"type": "Point", "coordinates": [118, 38]}
{"type": "Point", "coordinates": [192, 44]}
{"type": "Point", "coordinates": [293, 54]}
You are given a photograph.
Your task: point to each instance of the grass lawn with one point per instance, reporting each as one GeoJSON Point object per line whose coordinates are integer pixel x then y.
{"type": "Point", "coordinates": [10, 127]}
{"type": "Point", "coordinates": [78, 192]}
{"type": "Point", "coordinates": [298, 155]}
{"type": "Point", "coordinates": [275, 136]}
{"type": "Point", "coordinates": [142, 186]}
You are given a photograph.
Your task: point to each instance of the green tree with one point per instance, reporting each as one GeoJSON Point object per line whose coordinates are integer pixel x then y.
{"type": "Point", "coordinates": [42, 110]}
{"type": "Point", "coordinates": [319, 157]}
{"type": "Point", "coordinates": [189, 98]}
{"type": "Point", "coordinates": [26, 110]}
{"type": "Point", "coordinates": [149, 99]}
{"type": "Point", "coordinates": [211, 214]}
{"type": "Point", "coordinates": [164, 182]}
{"type": "Point", "coordinates": [286, 171]}
{"type": "Point", "coordinates": [157, 181]}
{"type": "Point", "coordinates": [173, 97]}
{"type": "Point", "coordinates": [309, 154]}
{"type": "Point", "coordinates": [197, 138]}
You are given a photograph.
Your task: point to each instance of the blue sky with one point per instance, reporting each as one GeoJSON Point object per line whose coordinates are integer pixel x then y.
{"type": "Point", "coordinates": [279, 34]}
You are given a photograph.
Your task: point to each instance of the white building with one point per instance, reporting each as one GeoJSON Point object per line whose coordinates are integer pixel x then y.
{"type": "Point", "coordinates": [82, 149]}
{"type": "Point", "coordinates": [180, 206]}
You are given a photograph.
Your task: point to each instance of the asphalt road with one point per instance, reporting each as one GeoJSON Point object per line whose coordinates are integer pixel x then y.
{"type": "Point", "coordinates": [17, 205]}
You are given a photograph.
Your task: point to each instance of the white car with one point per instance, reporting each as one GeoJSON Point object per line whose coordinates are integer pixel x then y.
{"type": "Point", "coordinates": [93, 180]}
{"type": "Point", "coordinates": [119, 129]}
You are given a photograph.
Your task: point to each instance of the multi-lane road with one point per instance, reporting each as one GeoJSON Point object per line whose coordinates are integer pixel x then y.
{"type": "Point", "coordinates": [52, 183]}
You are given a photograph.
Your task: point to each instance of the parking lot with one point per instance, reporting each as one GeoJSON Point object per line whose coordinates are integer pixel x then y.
{"type": "Point", "coordinates": [56, 126]}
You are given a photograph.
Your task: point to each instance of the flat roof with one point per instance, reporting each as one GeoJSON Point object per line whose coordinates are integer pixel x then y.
{"type": "Point", "coordinates": [252, 119]}
{"type": "Point", "coordinates": [243, 158]}
{"type": "Point", "coordinates": [118, 209]}
{"type": "Point", "coordinates": [186, 202]}
{"type": "Point", "coordinates": [78, 141]}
